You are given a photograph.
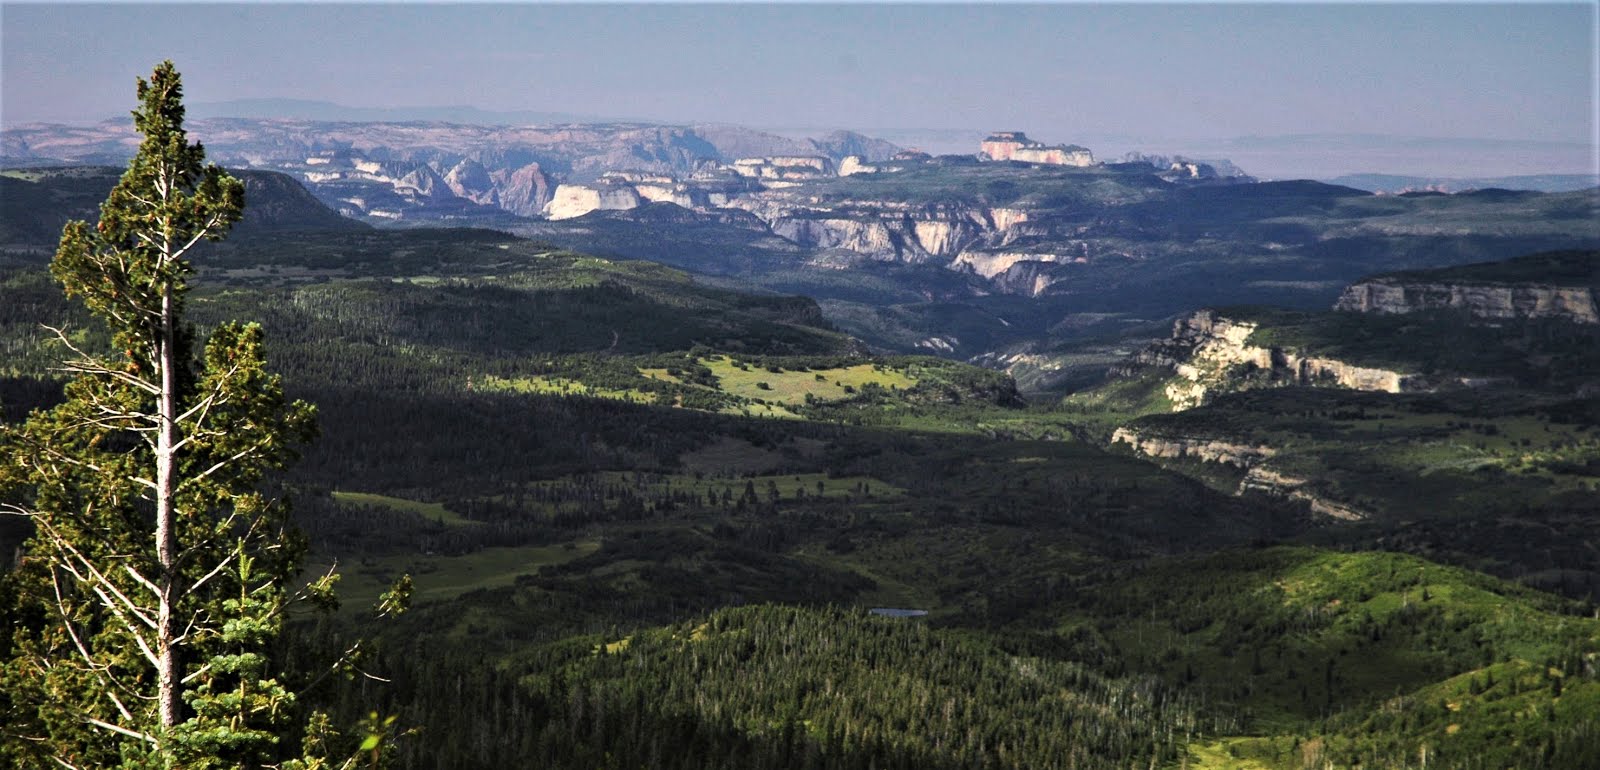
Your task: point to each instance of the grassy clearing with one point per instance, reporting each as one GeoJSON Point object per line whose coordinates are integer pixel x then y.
{"type": "Point", "coordinates": [431, 511]}
{"type": "Point", "coordinates": [561, 386]}
{"type": "Point", "coordinates": [660, 374]}
{"type": "Point", "coordinates": [759, 410]}
{"type": "Point", "coordinates": [1222, 754]}
{"type": "Point", "coordinates": [791, 387]}
{"type": "Point", "coordinates": [439, 578]}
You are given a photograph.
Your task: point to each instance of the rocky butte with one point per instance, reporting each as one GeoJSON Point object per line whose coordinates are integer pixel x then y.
{"type": "Point", "coordinates": [1015, 145]}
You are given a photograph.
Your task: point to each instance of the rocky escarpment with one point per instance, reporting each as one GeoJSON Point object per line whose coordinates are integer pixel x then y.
{"type": "Point", "coordinates": [575, 200]}
{"type": "Point", "coordinates": [878, 232]}
{"type": "Point", "coordinates": [1211, 353]}
{"type": "Point", "coordinates": [1253, 459]}
{"type": "Point", "coordinates": [430, 170]}
{"type": "Point", "coordinates": [955, 235]}
{"type": "Point", "coordinates": [1202, 448]}
{"type": "Point", "coordinates": [1578, 304]}
{"type": "Point", "coordinates": [1265, 480]}
{"type": "Point", "coordinates": [1029, 274]}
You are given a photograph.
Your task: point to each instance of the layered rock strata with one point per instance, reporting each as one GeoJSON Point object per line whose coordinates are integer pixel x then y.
{"type": "Point", "coordinates": [1253, 459]}
{"type": "Point", "coordinates": [1211, 353]}
{"type": "Point", "coordinates": [1493, 301]}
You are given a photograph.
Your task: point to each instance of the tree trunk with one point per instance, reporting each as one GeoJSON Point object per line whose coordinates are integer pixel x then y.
{"type": "Point", "coordinates": [167, 670]}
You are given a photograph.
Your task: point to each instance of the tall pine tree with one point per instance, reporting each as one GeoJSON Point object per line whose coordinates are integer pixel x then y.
{"type": "Point", "coordinates": [156, 581]}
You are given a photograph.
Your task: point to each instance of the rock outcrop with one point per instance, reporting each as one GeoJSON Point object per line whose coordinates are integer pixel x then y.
{"type": "Point", "coordinates": [1265, 480]}
{"type": "Point", "coordinates": [911, 234]}
{"type": "Point", "coordinates": [431, 170]}
{"type": "Point", "coordinates": [990, 264]}
{"type": "Point", "coordinates": [523, 191]}
{"type": "Point", "coordinates": [575, 200]}
{"type": "Point", "coordinates": [1577, 304]}
{"type": "Point", "coordinates": [1015, 145]}
{"type": "Point", "coordinates": [1027, 278]}
{"type": "Point", "coordinates": [1202, 448]}
{"type": "Point", "coordinates": [939, 233]}
{"type": "Point", "coordinates": [469, 179]}
{"type": "Point", "coordinates": [784, 167]}
{"type": "Point", "coordinates": [1255, 460]}
{"type": "Point", "coordinates": [1211, 353]}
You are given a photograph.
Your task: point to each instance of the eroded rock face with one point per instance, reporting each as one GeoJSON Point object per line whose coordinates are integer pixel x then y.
{"type": "Point", "coordinates": [523, 191]}
{"type": "Point", "coordinates": [869, 237]}
{"type": "Point", "coordinates": [1212, 354]}
{"type": "Point", "coordinates": [1202, 448]}
{"type": "Point", "coordinates": [1254, 459]}
{"type": "Point", "coordinates": [470, 180]}
{"type": "Point", "coordinates": [575, 200]}
{"type": "Point", "coordinates": [990, 264]}
{"type": "Point", "coordinates": [1382, 295]}
{"type": "Point", "coordinates": [1027, 278]}
{"type": "Point", "coordinates": [423, 182]}
{"type": "Point", "coordinates": [1268, 481]}
{"type": "Point", "coordinates": [1007, 218]}
{"type": "Point", "coordinates": [881, 230]}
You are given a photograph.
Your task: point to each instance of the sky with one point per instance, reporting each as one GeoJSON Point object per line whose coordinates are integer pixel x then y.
{"type": "Point", "coordinates": [1126, 73]}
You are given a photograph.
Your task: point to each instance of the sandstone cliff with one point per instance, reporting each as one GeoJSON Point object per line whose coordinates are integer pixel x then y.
{"type": "Point", "coordinates": [952, 235]}
{"type": "Point", "coordinates": [1210, 353]}
{"type": "Point", "coordinates": [1263, 479]}
{"type": "Point", "coordinates": [469, 179]}
{"type": "Point", "coordinates": [575, 200]}
{"type": "Point", "coordinates": [1202, 448]}
{"type": "Point", "coordinates": [1027, 278]}
{"type": "Point", "coordinates": [523, 191]}
{"type": "Point", "coordinates": [1255, 460]}
{"type": "Point", "coordinates": [869, 237]}
{"type": "Point", "coordinates": [1578, 304]}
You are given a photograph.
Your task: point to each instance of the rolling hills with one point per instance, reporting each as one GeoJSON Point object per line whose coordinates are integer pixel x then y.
{"type": "Point", "coordinates": [648, 513]}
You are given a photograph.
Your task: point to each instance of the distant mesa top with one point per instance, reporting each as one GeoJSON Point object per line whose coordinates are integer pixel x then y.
{"type": "Point", "coordinates": [1015, 145]}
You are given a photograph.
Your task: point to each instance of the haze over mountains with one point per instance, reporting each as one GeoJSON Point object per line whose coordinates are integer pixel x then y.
{"type": "Point", "coordinates": [1451, 164]}
{"type": "Point", "coordinates": [649, 413]}
{"type": "Point", "coordinates": [959, 254]}
{"type": "Point", "coordinates": [801, 386]}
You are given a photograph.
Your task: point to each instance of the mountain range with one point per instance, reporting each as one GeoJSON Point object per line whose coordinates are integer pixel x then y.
{"type": "Point", "coordinates": [667, 519]}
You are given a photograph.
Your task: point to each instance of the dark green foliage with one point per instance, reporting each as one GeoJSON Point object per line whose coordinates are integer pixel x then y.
{"type": "Point", "coordinates": [1537, 353]}
{"type": "Point", "coordinates": [1552, 268]}
{"type": "Point", "coordinates": [579, 558]}
{"type": "Point", "coordinates": [40, 201]}
{"type": "Point", "coordinates": [150, 595]}
{"type": "Point", "coordinates": [782, 687]}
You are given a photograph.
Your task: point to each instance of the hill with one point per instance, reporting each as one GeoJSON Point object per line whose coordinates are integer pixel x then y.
{"type": "Point", "coordinates": [39, 201]}
{"type": "Point", "coordinates": [1558, 268]}
{"type": "Point", "coordinates": [1352, 658]}
{"type": "Point", "coordinates": [648, 515]}
{"type": "Point", "coordinates": [1425, 430]}
{"type": "Point", "coordinates": [784, 687]}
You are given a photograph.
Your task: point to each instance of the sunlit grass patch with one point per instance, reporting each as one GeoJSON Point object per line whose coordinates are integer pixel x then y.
{"type": "Point", "coordinates": [791, 387]}
{"type": "Point", "coordinates": [431, 511]}
{"type": "Point", "coordinates": [440, 578]}
{"type": "Point", "coordinates": [561, 386]}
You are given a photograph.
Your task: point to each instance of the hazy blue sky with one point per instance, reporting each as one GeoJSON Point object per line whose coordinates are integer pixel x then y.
{"type": "Point", "coordinates": [1522, 71]}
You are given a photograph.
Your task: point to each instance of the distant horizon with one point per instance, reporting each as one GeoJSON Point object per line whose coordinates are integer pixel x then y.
{"type": "Point", "coordinates": [1160, 78]}
{"type": "Point", "coordinates": [1285, 156]}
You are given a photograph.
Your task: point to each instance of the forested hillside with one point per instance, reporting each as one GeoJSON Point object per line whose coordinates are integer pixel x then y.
{"type": "Point", "coordinates": [647, 516]}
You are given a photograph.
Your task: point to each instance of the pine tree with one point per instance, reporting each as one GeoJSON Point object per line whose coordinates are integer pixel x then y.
{"type": "Point", "coordinates": [154, 587]}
